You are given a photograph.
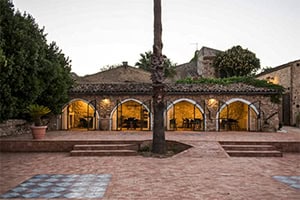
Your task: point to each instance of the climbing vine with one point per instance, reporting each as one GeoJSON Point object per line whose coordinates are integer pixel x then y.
{"type": "Point", "coordinates": [248, 80]}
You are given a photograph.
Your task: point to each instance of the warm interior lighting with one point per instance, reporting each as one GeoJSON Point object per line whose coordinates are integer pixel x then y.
{"type": "Point", "coordinates": [106, 101]}
{"type": "Point", "coordinates": [274, 80]}
{"type": "Point", "coordinates": [212, 103]}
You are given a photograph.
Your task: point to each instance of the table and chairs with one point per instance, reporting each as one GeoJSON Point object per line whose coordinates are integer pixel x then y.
{"type": "Point", "coordinates": [229, 124]}
{"type": "Point", "coordinates": [134, 123]}
{"type": "Point", "coordinates": [194, 124]}
{"type": "Point", "coordinates": [130, 123]}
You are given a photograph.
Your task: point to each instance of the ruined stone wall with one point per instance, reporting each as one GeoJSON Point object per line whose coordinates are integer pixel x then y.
{"type": "Point", "coordinates": [202, 67]}
{"type": "Point", "coordinates": [186, 70]}
{"type": "Point", "coordinates": [205, 62]}
{"type": "Point", "coordinates": [14, 127]}
{"type": "Point", "coordinates": [205, 67]}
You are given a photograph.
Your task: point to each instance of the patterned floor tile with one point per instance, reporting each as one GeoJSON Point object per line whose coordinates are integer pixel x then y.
{"type": "Point", "coordinates": [292, 181]}
{"type": "Point", "coordinates": [61, 186]}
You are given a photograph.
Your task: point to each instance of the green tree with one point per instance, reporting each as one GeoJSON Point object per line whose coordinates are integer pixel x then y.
{"type": "Point", "coordinates": [31, 70]}
{"type": "Point", "coordinates": [145, 63]}
{"type": "Point", "coordinates": [236, 62]}
{"type": "Point", "coordinates": [56, 76]}
{"type": "Point", "coordinates": [5, 69]}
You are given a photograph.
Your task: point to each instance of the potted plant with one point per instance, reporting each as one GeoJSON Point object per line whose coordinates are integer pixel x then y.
{"type": "Point", "coordinates": [37, 112]}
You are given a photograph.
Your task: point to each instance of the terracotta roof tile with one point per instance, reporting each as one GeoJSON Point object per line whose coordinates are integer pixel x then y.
{"type": "Point", "coordinates": [118, 75]}
{"type": "Point", "coordinates": [146, 88]}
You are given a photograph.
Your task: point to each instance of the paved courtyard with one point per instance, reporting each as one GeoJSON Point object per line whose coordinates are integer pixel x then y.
{"type": "Point", "coordinates": [202, 172]}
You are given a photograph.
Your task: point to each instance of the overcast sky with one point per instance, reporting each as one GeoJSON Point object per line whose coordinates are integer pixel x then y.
{"type": "Point", "coordinates": [96, 33]}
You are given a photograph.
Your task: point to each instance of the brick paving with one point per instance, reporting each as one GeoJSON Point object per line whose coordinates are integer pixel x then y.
{"type": "Point", "coordinates": [202, 172]}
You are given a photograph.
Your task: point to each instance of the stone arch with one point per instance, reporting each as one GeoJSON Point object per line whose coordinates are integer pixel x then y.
{"type": "Point", "coordinates": [184, 114]}
{"type": "Point", "coordinates": [123, 118]}
{"type": "Point", "coordinates": [83, 115]}
{"type": "Point", "coordinates": [236, 108]}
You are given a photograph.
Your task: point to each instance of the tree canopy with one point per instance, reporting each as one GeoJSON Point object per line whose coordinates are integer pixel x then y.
{"type": "Point", "coordinates": [31, 70]}
{"type": "Point", "coordinates": [145, 63]}
{"type": "Point", "coordinates": [236, 62]}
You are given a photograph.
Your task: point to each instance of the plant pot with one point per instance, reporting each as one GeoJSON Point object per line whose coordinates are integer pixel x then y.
{"type": "Point", "coordinates": [38, 132]}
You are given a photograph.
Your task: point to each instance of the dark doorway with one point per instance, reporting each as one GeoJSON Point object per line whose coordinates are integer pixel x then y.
{"type": "Point", "coordinates": [286, 112]}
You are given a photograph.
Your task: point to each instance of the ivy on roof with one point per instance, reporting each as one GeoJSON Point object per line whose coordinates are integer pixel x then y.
{"type": "Point", "coordinates": [249, 80]}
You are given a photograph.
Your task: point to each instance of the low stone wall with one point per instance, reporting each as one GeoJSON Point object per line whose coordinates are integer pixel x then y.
{"type": "Point", "coordinates": [292, 147]}
{"type": "Point", "coordinates": [283, 146]}
{"type": "Point", "coordinates": [52, 145]}
{"type": "Point", "coordinates": [67, 145]}
{"type": "Point", "coordinates": [14, 127]}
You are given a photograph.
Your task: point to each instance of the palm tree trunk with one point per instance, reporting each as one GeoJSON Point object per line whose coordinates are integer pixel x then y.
{"type": "Point", "coordinates": [157, 76]}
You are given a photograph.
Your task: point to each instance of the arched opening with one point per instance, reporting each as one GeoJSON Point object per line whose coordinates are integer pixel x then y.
{"type": "Point", "coordinates": [237, 115]}
{"type": "Point", "coordinates": [130, 114]}
{"type": "Point", "coordinates": [184, 114]}
{"type": "Point", "coordinates": [79, 114]}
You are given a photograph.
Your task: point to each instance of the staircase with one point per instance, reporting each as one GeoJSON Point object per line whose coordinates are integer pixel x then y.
{"type": "Point", "coordinates": [250, 149]}
{"type": "Point", "coordinates": [105, 150]}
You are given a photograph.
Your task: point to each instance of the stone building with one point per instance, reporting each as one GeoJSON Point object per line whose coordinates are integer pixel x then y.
{"type": "Point", "coordinates": [121, 99]}
{"type": "Point", "coordinates": [287, 75]}
{"type": "Point", "coordinates": [200, 66]}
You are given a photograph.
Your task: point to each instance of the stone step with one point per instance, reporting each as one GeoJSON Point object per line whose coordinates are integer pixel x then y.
{"type": "Point", "coordinates": [244, 143]}
{"type": "Point", "coordinates": [249, 147]}
{"type": "Point", "coordinates": [103, 153]}
{"type": "Point", "coordinates": [106, 147]}
{"type": "Point", "coordinates": [254, 153]}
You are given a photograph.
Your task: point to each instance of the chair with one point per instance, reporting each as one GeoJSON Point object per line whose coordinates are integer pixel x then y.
{"type": "Point", "coordinates": [233, 124]}
{"type": "Point", "coordinates": [185, 123]}
{"type": "Point", "coordinates": [130, 123]}
{"type": "Point", "coordinates": [197, 124]}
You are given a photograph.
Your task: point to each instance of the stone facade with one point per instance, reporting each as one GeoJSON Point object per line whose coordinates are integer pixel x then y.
{"type": "Point", "coordinates": [103, 94]}
{"type": "Point", "coordinates": [204, 62]}
{"type": "Point", "coordinates": [255, 99]}
{"type": "Point", "coordinates": [106, 92]}
{"type": "Point", "coordinates": [200, 66]}
{"type": "Point", "coordinates": [287, 75]}
{"type": "Point", "coordinates": [186, 70]}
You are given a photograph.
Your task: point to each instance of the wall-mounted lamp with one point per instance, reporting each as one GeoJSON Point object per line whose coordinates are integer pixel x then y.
{"type": "Point", "coordinates": [274, 80]}
{"type": "Point", "coordinates": [212, 103]}
{"type": "Point", "coordinates": [106, 101]}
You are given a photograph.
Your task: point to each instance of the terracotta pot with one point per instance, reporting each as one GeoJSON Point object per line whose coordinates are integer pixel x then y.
{"type": "Point", "coordinates": [38, 132]}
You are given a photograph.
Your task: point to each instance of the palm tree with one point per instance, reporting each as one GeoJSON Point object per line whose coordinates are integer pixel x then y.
{"type": "Point", "coordinates": [145, 64]}
{"type": "Point", "coordinates": [145, 61]}
{"type": "Point", "coordinates": [157, 76]}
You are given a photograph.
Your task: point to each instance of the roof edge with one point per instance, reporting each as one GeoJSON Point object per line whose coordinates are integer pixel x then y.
{"type": "Point", "coordinates": [277, 68]}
